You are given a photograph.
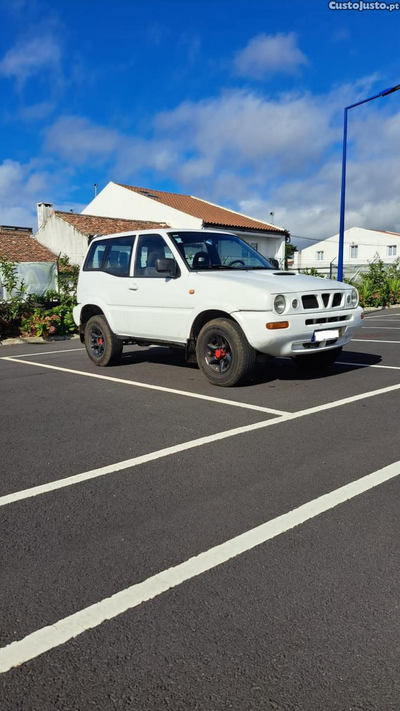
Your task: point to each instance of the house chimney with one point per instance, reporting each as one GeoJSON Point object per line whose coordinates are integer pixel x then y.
{"type": "Point", "coordinates": [44, 210]}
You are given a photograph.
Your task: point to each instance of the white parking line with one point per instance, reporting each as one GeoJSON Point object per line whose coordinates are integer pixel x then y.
{"type": "Point", "coordinates": [382, 318]}
{"type": "Point", "coordinates": [148, 386]}
{"type": "Point", "coordinates": [368, 365]}
{"type": "Point", "coordinates": [25, 355]}
{"type": "Point", "coordinates": [382, 328]}
{"type": "Point", "coordinates": [370, 340]}
{"type": "Point", "coordinates": [52, 636]}
{"type": "Point", "coordinates": [167, 451]}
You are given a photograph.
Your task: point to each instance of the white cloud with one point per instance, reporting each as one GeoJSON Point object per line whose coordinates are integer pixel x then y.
{"type": "Point", "coordinates": [269, 54]}
{"type": "Point", "coordinates": [76, 140]}
{"type": "Point", "coordinates": [258, 154]}
{"type": "Point", "coordinates": [21, 187]}
{"type": "Point", "coordinates": [31, 57]}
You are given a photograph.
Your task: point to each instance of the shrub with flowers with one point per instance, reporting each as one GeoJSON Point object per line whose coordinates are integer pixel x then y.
{"type": "Point", "coordinates": [380, 286]}
{"type": "Point", "coordinates": [47, 315]}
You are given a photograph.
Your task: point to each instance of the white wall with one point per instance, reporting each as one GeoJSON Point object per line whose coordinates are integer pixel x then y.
{"type": "Point", "coordinates": [114, 201]}
{"type": "Point", "coordinates": [63, 238]}
{"type": "Point", "coordinates": [370, 244]}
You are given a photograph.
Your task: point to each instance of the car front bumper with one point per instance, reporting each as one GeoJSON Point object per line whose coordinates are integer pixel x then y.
{"type": "Point", "coordinates": [296, 339]}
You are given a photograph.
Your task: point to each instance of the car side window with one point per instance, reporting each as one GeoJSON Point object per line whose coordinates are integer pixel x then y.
{"type": "Point", "coordinates": [118, 256]}
{"type": "Point", "coordinates": [150, 248]}
{"type": "Point", "coordinates": [94, 260]}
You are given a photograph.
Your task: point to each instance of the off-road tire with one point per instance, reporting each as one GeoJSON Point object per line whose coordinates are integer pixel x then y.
{"type": "Point", "coordinates": [243, 356]}
{"type": "Point", "coordinates": [318, 361]}
{"type": "Point", "coordinates": [111, 346]}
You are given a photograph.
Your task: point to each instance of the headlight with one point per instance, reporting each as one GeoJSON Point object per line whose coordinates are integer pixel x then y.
{"type": "Point", "coordinates": [279, 304]}
{"type": "Point", "coordinates": [354, 297]}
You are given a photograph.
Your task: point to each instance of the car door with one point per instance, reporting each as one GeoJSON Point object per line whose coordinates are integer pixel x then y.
{"type": "Point", "coordinates": [161, 309]}
{"type": "Point", "coordinates": [112, 281]}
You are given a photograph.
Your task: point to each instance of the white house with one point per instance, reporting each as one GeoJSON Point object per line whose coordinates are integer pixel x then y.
{"type": "Point", "coordinates": [361, 246]}
{"type": "Point", "coordinates": [130, 202]}
{"type": "Point", "coordinates": [70, 233]}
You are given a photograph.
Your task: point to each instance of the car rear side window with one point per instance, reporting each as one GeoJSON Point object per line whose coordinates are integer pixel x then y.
{"type": "Point", "coordinates": [118, 256]}
{"type": "Point", "coordinates": [95, 258]}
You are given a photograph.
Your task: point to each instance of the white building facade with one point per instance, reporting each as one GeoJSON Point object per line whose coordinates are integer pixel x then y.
{"type": "Point", "coordinates": [186, 211]}
{"type": "Point", "coordinates": [361, 247]}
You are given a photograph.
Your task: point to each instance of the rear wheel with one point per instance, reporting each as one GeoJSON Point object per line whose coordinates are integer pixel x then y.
{"type": "Point", "coordinates": [223, 353]}
{"type": "Point", "coordinates": [318, 361]}
{"type": "Point", "coordinates": [102, 345]}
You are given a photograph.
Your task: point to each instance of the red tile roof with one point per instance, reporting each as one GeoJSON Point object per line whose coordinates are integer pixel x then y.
{"type": "Point", "coordinates": [208, 212]}
{"type": "Point", "coordinates": [94, 225]}
{"type": "Point", "coordinates": [18, 245]}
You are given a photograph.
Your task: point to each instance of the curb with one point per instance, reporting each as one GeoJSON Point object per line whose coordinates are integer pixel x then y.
{"type": "Point", "coordinates": [36, 339]}
{"type": "Point", "coordinates": [370, 309]}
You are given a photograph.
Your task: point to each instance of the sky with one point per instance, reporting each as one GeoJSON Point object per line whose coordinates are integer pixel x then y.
{"type": "Point", "coordinates": [239, 102]}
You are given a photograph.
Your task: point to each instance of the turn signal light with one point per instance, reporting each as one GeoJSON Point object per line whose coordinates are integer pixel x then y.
{"type": "Point", "coordinates": [277, 324]}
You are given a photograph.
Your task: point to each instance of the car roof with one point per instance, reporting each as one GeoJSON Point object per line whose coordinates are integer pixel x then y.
{"type": "Point", "coordinates": [159, 230]}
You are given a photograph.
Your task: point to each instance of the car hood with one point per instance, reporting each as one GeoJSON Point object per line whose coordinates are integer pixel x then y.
{"type": "Point", "coordinates": [271, 281]}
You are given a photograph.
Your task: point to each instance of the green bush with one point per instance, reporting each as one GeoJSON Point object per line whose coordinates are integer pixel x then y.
{"type": "Point", "coordinates": [380, 285]}
{"type": "Point", "coordinates": [47, 315]}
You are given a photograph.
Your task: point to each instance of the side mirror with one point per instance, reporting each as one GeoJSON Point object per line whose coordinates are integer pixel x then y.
{"type": "Point", "coordinates": [274, 262]}
{"type": "Point", "coordinates": [168, 267]}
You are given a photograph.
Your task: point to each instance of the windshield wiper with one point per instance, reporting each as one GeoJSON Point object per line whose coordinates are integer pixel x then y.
{"type": "Point", "coordinates": [212, 266]}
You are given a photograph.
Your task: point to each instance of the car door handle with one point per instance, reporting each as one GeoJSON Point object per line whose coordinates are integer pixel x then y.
{"type": "Point", "coordinates": [133, 287]}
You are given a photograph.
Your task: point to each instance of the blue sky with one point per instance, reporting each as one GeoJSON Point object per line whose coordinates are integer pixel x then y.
{"type": "Point", "coordinates": [236, 102]}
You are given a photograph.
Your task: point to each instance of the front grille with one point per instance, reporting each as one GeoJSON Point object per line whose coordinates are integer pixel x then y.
{"type": "Point", "coordinates": [331, 319]}
{"type": "Point", "coordinates": [310, 301]}
{"type": "Point", "coordinates": [337, 299]}
{"type": "Point", "coordinates": [325, 299]}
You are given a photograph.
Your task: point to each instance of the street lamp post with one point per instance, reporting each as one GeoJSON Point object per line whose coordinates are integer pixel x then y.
{"type": "Point", "coordinates": [343, 190]}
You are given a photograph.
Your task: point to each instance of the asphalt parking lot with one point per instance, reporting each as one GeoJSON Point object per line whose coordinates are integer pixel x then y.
{"type": "Point", "coordinates": [171, 545]}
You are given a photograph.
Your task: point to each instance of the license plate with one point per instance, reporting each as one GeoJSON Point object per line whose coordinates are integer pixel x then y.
{"type": "Point", "coordinates": [319, 336]}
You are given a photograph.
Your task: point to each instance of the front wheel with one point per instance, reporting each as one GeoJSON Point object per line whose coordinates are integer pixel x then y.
{"type": "Point", "coordinates": [223, 352]}
{"type": "Point", "coordinates": [102, 345]}
{"type": "Point", "coordinates": [318, 361]}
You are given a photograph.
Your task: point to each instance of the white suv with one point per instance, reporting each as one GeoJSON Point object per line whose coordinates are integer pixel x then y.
{"type": "Point", "coordinates": [211, 294]}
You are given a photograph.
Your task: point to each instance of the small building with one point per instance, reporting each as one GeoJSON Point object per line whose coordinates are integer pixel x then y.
{"type": "Point", "coordinates": [35, 264]}
{"type": "Point", "coordinates": [180, 211]}
{"type": "Point", "coordinates": [70, 233]}
{"type": "Point", "coordinates": [361, 247]}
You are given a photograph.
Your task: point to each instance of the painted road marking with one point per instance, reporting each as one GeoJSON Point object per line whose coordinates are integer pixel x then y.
{"type": "Point", "coordinates": [148, 386]}
{"type": "Point", "coordinates": [368, 365]}
{"type": "Point", "coordinates": [25, 355]}
{"type": "Point", "coordinates": [372, 340]}
{"type": "Point", "coordinates": [383, 328]}
{"type": "Point", "coordinates": [382, 318]}
{"type": "Point", "coordinates": [167, 451]}
{"type": "Point", "coordinates": [52, 636]}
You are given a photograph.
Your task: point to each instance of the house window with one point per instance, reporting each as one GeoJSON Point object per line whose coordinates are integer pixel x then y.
{"type": "Point", "coordinates": [392, 250]}
{"type": "Point", "coordinates": [320, 255]}
{"type": "Point", "coordinates": [254, 245]}
{"type": "Point", "coordinates": [354, 251]}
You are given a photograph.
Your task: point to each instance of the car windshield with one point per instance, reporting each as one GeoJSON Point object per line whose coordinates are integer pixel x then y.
{"type": "Point", "coordinates": [215, 250]}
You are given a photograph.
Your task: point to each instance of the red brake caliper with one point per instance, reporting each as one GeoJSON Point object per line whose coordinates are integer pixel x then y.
{"type": "Point", "coordinates": [220, 353]}
{"type": "Point", "coordinates": [100, 341]}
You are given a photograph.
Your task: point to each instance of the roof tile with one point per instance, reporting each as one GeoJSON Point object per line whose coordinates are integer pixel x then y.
{"type": "Point", "coordinates": [206, 211]}
{"type": "Point", "coordinates": [21, 246]}
{"type": "Point", "coordinates": [94, 225]}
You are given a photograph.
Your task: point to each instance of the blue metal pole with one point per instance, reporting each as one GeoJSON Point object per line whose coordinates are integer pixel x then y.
{"type": "Point", "coordinates": [342, 200]}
